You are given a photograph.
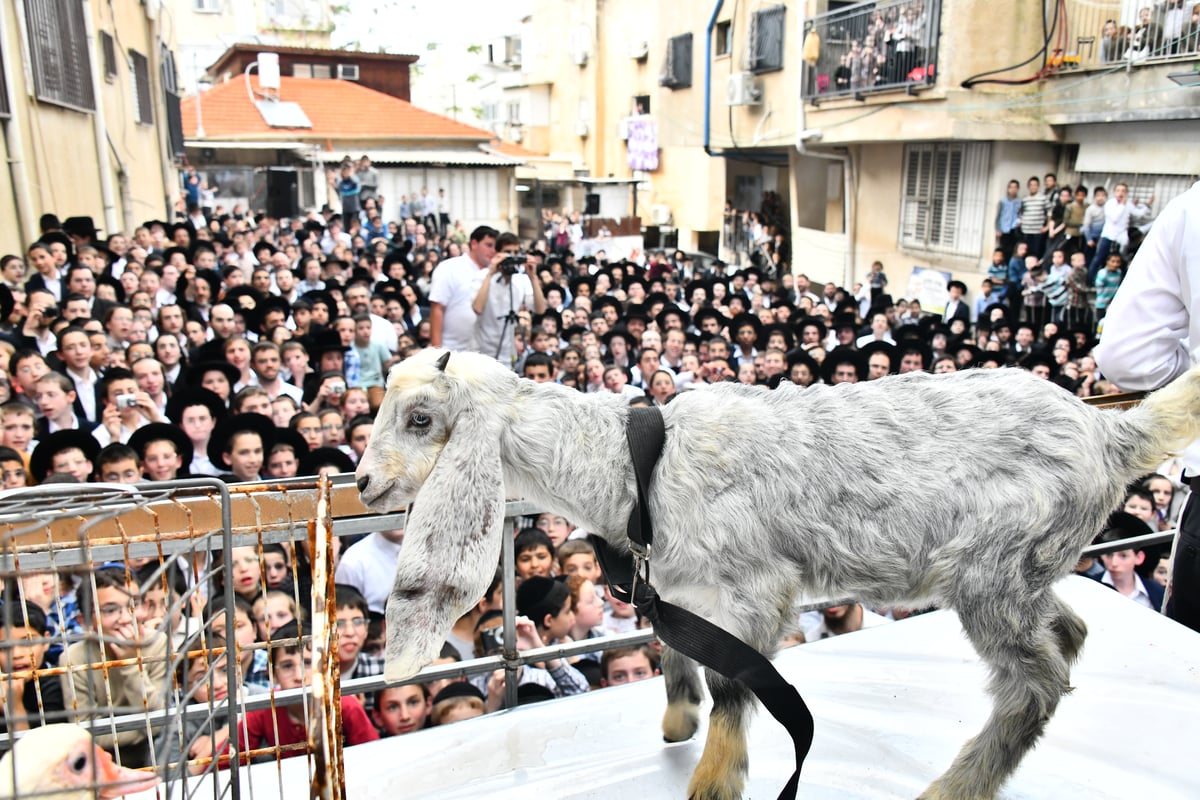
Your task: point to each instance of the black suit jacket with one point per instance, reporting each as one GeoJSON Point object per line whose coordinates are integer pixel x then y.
{"type": "Point", "coordinates": [961, 311]}
{"type": "Point", "coordinates": [36, 281]}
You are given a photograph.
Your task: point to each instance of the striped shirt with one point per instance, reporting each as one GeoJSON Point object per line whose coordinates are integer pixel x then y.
{"type": "Point", "coordinates": [1033, 214]}
{"type": "Point", "coordinates": [1107, 282]}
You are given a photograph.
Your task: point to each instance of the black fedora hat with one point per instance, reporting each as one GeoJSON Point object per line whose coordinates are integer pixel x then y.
{"type": "Point", "coordinates": [157, 431]}
{"type": "Point", "coordinates": [703, 314]}
{"type": "Point", "coordinates": [313, 460]}
{"type": "Point", "coordinates": [55, 443]}
{"type": "Point", "coordinates": [187, 396]}
{"type": "Point", "coordinates": [290, 437]}
{"type": "Point", "coordinates": [822, 329]}
{"type": "Point", "coordinates": [80, 226]}
{"type": "Point", "coordinates": [744, 319]}
{"type": "Point", "coordinates": [776, 327]}
{"type": "Point", "coordinates": [620, 331]}
{"type": "Point", "coordinates": [234, 424]}
{"type": "Point", "coordinates": [195, 373]}
{"type": "Point", "coordinates": [879, 346]}
{"type": "Point", "coordinates": [672, 310]}
{"type": "Point", "coordinates": [844, 355]}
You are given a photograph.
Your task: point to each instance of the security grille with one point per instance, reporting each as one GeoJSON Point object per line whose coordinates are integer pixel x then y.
{"type": "Point", "coordinates": [139, 74]}
{"type": "Point", "coordinates": [765, 48]}
{"type": "Point", "coordinates": [677, 70]}
{"type": "Point", "coordinates": [108, 48]}
{"type": "Point", "coordinates": [62, 73]}
{"type": "Point", "coordinates": [944, 195]}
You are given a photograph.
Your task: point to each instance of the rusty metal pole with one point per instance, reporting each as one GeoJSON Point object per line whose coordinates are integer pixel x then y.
{"type": "Point", "coordinates": [325, 719]}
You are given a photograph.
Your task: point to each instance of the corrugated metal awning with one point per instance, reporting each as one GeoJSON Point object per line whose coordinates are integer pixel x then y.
{"type": "Point", "coordinates": [417, 156]}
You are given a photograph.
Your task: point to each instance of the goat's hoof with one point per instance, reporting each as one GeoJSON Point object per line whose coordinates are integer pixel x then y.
{"type": "Point", "coordinates": [680, 722]}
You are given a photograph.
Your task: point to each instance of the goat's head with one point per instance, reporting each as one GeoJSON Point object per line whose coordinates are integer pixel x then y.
{"type": "Point", "coordinates": [436, 444]}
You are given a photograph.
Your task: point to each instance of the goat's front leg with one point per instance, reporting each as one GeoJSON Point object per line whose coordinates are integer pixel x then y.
{"type": "Point", "coordinates": [682, 677]}
{"type": "Point", "coordinates": [721, 773]}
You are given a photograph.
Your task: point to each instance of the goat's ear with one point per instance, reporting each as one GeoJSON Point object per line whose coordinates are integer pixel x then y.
{"type": "Point", "coordinates": [443, 361]}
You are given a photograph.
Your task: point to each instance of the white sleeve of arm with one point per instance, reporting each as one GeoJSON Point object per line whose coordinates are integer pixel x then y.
{"type": "Point", "coordinates": [1148, 321]}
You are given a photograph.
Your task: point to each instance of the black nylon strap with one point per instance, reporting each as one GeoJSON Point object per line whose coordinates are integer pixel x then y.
{"type": "Point", "coordinates": [645, 434]}
{"type": "Point", "coordinates": [686, 632]}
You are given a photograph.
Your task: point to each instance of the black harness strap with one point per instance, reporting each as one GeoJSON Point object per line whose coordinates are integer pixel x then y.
{"type": "Point", "coordinates": [682, 630]}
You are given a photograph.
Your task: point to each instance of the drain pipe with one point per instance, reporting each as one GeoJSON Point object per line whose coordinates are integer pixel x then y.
{"type": "Point", "coordinates": [14, 145]}
{"type": "Point", "coordinates": [708, 39]}
{"type": "Point", "coordinates": [803, 137]}
{"type": "Point", "coordinates": [101, 129]}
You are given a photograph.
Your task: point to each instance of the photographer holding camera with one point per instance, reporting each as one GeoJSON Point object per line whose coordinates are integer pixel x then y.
{"type": "Point", "coordinates": [126, 408]}
{"type": "Point", "coordinates": [511, 284]}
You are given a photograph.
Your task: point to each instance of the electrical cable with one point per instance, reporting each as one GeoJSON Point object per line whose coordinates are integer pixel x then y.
{"type": "Point", "coordinates": [981, 78]}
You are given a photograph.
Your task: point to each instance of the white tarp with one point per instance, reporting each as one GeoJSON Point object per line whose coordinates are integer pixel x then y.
{"type": "Point", "coordinates": [892, 705]}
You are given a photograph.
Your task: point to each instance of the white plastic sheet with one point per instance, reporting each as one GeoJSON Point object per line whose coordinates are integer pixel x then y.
{"type": "Point", "coordinates": [892, 704]}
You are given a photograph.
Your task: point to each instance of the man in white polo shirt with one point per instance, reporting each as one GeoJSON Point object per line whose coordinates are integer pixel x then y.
{"type": "Point", "coordinates": [456, 281]}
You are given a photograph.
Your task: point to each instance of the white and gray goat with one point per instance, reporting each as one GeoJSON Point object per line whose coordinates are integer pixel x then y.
{"type": "Point", "coordinates": [974, 491]}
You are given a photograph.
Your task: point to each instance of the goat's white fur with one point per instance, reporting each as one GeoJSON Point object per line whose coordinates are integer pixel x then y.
{"type": "Point", "coordinates": [975, 491]}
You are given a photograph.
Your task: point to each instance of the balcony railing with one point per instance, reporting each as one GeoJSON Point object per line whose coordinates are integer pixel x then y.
{"type": "Point", "coordinates": [1108, 33]}
{"type": "Point", "coordinates": [872, 47]}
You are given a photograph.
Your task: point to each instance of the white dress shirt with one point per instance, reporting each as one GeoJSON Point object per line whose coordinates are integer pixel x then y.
{"type": "Point", "coordinates": [1149, 335]}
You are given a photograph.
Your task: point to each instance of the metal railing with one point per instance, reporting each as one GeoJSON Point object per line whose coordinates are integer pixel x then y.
{"type": "Point", "coordinates": [257, 515]}
{"type": "Point", "coordinates": [873, 47]}
{"type": "Point", "coordinates": [1113, 33]}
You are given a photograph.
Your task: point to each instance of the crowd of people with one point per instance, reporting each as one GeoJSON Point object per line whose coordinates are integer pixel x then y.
{"type": "Point", "coordinates": [249, 348]}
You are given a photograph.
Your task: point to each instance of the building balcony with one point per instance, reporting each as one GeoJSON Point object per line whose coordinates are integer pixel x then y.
{"type": "Point", "coordinates": [872, 48]}
{"type": "Point", "coordinates": [1104, 34]}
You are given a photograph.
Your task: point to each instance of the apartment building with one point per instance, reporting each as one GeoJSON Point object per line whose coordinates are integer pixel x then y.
{"type": "Point", "coordinates": [89, 110]}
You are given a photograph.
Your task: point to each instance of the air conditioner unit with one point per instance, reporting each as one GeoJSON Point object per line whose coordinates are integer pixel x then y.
{"type": "Point", "coordinates": [347, 72]}
{"type": "Point", "coordinates": [623, 129]}
{"type": "Point", "coordinates": [581, 128]}
{"type": "Point", "coordinates": [742, 89]}
{"type": "Point", "coordinates": [580, 57]}
{"type": "Point", "coordinates": [515, 135]}
{"type": "Point", "coordinates": [639, 50]}
{"type": "Point", "coordinates": [660, 215]}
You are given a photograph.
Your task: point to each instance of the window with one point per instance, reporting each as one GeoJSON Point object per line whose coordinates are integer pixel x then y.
{"type": "Point", "coordinates": [765, 47]}
{"type": "Point", "coordinates": [723, 35]}
{"type": "Point", "coordinates": [641, 104]}
{"type": "Point", "coordinates": [944, 197]}
{"type": "Point", "coordinates": [514, 112]}
{"type": "Point", "coordinates": [207, 6]}
{"type": "Point", "coordinates": [108, 50]}
{"type": "Point", "coordinates": [677, 70]}
{"type": "Point", "coordinates": [170, 78]}
{"type": "Point", "coordinates": [139, 74]}
{"type": "Point", "coordinates": [302, 70]}
{"type": "Point", "coordinates": [58, 49]}
{"type": "Point", "coordinates": [322, 71]}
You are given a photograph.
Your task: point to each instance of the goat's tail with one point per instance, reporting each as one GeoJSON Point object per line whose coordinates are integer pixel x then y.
{"type": "Point", "coordinates": [1166, 422]}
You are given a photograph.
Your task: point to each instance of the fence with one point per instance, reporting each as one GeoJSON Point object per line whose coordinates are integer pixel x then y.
{"type": "Point", "coordinates": [175, 725]}
{"type": "Point", "coordinates": [1108, 33]}
{"type": "Point", "coordinates": [875, 47]}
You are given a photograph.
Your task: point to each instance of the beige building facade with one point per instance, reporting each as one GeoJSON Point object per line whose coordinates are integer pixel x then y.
{"type": "Point", "coordinates": [897, 161]}
{"type": "Point", "coordinates": [89, 116]}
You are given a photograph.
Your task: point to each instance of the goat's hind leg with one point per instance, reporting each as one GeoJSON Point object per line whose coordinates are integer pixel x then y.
{"type": "Point", "coordinates": [682, 678]}
{"type": "Point", "coordinates": [1027, 650]}
{"type": "Point", "coordinates": [721, 773]}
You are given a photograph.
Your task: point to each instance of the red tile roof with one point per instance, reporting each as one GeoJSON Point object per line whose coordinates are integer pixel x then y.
{"type": "Point", "coordinates": [338, 110]}
{"type": "Point", "coordinates": [512, 149]}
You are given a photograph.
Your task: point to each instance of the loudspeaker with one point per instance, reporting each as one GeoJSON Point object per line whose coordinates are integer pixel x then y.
{"type": "Point", "coordinates": [591, 205]}
{"type": "Point", "coordinates": [283, 194]}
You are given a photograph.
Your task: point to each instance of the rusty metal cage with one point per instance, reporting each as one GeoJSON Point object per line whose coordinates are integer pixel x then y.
{"type": "Point", "coordinates": [121, 613]}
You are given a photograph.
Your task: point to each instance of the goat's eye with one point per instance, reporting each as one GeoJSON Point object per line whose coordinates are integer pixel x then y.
{"type": "Point", "coordinates": [80, 763]}
{"type": "Point", "coordinates": [419, 421]}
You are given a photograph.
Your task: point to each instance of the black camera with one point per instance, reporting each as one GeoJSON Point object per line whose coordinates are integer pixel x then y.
{"type": "Point", "coordinates": [513, 265]}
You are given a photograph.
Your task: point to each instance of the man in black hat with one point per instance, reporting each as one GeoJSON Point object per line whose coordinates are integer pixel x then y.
{"type": "Point", "coordinates": [844, 365]}
{"type": "Point", "coordinates": [72, 452]}
{"type": "Point", "coordinates": [239, 443]}
{"type": "Point", "coordinates": [164, 451]}
{"type": "Point", "coordinates": [746, 328]}
{"type": "Point", "coordinates": [956, 306]}
{"type": "Point", "coordinates": [196, 411]}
